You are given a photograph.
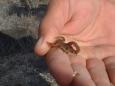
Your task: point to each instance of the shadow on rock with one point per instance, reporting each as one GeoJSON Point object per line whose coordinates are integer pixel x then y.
{"type": "Point", "coordinates": [19, 66]}
{"type": "Point", "coordinates": [9, 45]}
{"type": "Point", "coordinates": [26, 11]}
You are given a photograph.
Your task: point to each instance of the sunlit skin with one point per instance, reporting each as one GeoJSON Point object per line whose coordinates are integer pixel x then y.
{"type": "Point", "coordinates": [91, 24]}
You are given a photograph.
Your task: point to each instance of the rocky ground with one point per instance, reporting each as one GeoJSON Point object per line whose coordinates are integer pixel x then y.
{"type": "Point", "coordinates": [19, 66]}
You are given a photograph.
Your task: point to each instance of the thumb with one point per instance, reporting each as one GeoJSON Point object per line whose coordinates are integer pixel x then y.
{"type": "Point", "coordinates": [51, 26]}
{"type": "Point", "coordinates": [42, 46]}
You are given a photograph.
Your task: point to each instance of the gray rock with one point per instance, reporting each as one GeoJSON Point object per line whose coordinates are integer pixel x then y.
{"type": "Point", "coordinates": [18, 21]}
{"type": "Point", "coordinates": [19, 66]}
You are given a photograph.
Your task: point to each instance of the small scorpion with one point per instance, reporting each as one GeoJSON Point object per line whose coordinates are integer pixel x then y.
{"type": "Point", "coordinates": [70, 47]}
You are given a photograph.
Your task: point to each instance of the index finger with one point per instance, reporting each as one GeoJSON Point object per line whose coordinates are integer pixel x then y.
{"type": "Point", "coordinates": [60, 66]}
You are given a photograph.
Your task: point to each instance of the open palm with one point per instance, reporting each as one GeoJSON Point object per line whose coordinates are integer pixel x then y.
{"type": "Point", "coordinates": [91, 24]}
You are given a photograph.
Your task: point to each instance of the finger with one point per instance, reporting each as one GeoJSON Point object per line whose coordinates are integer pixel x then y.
{"type": "Point", "coordinates": [98, 72]}
{"type": "Point", "coordinates": [110, 66]}
{"type": "Point", "coordinates": [59, 66]}
{"type": "Point", "coordinates": [82, 77]}
{"type": "Point", "coordinates": [42, 46]}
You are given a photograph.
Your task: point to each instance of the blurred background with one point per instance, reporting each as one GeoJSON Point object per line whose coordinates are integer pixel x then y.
{"type": "Point", "coordinates": [19, 22]}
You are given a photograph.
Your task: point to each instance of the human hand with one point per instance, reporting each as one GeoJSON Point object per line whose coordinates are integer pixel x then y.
{"type": "Point", "coordinates": [90, 72]}
{"type": "Point", "coordinates": [89, 23]}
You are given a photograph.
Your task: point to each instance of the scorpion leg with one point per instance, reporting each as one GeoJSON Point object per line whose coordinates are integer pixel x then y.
{"type": "Point", "coordinates": [75, 47]}
{"type": "Point", "coordinates": [60, 38]}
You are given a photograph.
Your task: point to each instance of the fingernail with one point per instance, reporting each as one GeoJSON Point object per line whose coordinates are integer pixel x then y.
{"type": "Point", "coordinates": [38, 46]}
{"type": "Point", "coordinates": [40, 42]}
{"type": "Point", "coordinates": [41, 47]}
